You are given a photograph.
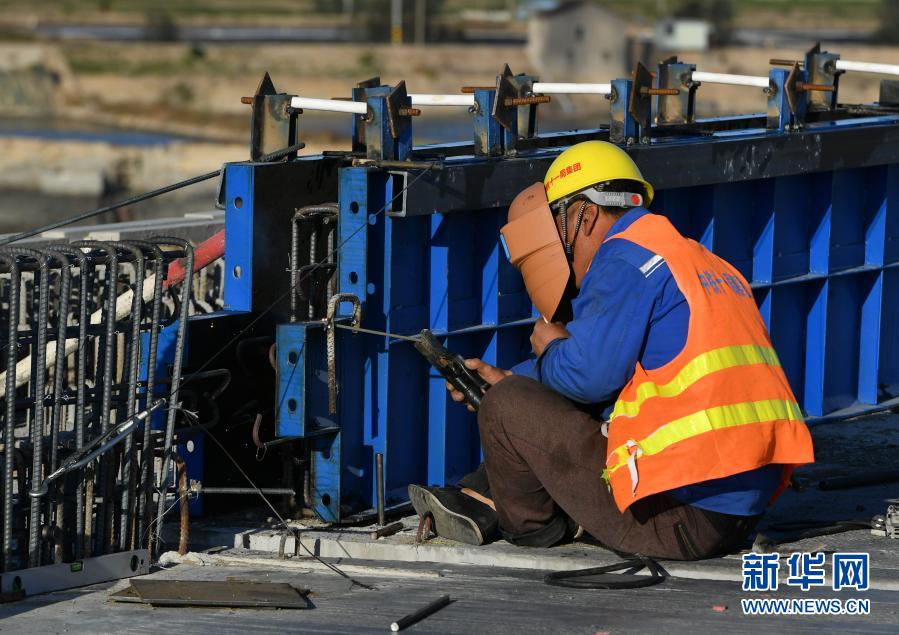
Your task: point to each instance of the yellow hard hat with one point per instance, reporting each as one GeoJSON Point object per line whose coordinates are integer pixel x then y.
{"type": "Point", "coordinates": [586, 164]}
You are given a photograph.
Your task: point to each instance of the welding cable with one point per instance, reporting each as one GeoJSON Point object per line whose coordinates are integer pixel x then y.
{"type": "Point", "coordinates": [604, 577]}
{"type": "Point", "coordinates": [274, 156]}
{"type": "Point", "coordinates": [284, 524]}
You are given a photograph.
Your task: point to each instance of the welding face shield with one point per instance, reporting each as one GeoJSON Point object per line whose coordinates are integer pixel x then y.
{"type": "Point", "coordinates": [533, 246]}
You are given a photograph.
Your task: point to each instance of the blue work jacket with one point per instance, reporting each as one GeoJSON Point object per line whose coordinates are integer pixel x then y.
{"type": "Point", "coordinates": [626, 313]}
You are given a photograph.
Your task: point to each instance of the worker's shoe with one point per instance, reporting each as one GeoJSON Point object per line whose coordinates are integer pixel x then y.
{"type": "Point", "coordinates": [456, 516]}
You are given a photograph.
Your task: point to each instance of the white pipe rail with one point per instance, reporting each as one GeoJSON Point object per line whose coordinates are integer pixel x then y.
{"type": "Point", "coordinates": [122, 309]}
{"type": "Point", "coordinates": [734, 80]}
{"type": "Point", "coordinates": [868, 67]}
{"type": "Point", "coordinates": [329, 105]}
{"type": "Point", "coordinates": [548, 88]}
{"type": "Point", "coordinates": [421, 99]}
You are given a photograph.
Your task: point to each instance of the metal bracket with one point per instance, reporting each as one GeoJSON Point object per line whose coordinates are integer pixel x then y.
{"type": "Point", "coordinates": [779, 117]}
{"type": "Point", "coordinates": [679, 108]}
{"type": "Point", "coordinates": [399, 109]}
{"type": "Point", "coordinates": [639, 105]}
{"type": "Point", "coordinates": [513, 92]}
{"type": "Point", "coordinates": [333, 304]}
{"type": "Point", "coordinates": [795, 94]}
{"type": "Point", "coordinates": [507, 88]}
{"type": "Point", "coordinates": [639, 102]}
{"type": "Point", "coordinates": [488, 134]}
{"type": "Point", "coordinates": [274, 123]}
{"type": "Point", "coordinates": [360, 94]}
{"type": "Point", "coordinates": [821, 70]}
{"type": "Point", "coordinates": [388, 133]}
{"type": "Point", "coordinates": [622, 126]}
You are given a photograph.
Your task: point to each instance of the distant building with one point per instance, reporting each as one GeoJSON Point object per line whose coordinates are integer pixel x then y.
{"type": "Point", "coordinates": [682, 35]}
{"type": "Point", "coordinates": [577, 42]}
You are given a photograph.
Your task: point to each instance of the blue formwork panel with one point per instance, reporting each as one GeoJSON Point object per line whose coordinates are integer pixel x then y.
{"type": "Point", "coordinates": [810, 219]}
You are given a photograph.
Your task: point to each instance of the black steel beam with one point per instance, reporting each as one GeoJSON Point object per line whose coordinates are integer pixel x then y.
{"type": "Point", "coordinates": [670, 163]}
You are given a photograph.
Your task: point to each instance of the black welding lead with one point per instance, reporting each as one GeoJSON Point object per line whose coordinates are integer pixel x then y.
{"type": "Point", "coordinates": [420, 614]}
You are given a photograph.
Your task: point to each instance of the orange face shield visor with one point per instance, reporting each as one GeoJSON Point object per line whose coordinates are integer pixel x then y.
{"type": "Point", "coordinates": [533, 246]}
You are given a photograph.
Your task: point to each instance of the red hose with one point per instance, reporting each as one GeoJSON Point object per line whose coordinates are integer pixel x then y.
{"type": "Point", "coordinates": [206, 252]}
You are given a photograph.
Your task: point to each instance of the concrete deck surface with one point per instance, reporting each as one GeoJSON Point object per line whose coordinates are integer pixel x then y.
{"type": "Point", "coordinates": [499, 588]}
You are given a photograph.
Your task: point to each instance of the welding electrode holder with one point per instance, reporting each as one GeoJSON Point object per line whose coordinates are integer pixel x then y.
{"type": "Point", "coordinates": [452, 367]}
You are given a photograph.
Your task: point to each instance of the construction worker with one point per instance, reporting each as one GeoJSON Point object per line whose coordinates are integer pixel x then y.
{"type": "Point", "coordinates": [655, 413]}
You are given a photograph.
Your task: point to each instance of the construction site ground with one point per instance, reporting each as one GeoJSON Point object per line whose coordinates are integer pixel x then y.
{"type": "Point", "coordinates": [499, 587]}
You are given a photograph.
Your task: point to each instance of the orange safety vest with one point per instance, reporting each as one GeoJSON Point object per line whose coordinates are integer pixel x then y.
{"type": "Point", "coordinates": [723, 405]}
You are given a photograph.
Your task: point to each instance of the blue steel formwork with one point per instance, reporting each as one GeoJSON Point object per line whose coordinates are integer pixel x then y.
{"type": "Point", "coordinates": [810, 217]}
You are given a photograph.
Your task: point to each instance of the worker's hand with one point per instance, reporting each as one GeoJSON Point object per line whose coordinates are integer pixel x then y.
{"type": "Point", "coordinates": [544, 333]}
{"type": "Point", "coordinates": [490, 374]}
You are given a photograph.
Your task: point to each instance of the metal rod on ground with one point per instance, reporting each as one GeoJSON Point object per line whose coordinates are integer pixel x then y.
{"type": "Point", "coordinates": [867, 67]}
{"type": "Point", "coordinates": [205, 253]}
{"type": "Point", "coordinates": [420, 614]}
{"type": "Point", "coordinates": [142, 197]}
{"type": "Point", "coordinates": [758, 81]}
{"type": "Point", "coordinates": [379, 484]}
{"type": "Point", "coordinates": [387, 530]}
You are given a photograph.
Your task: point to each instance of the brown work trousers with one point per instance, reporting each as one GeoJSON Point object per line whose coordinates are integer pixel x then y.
{"type": "Point", "coordinates": [544, 455]}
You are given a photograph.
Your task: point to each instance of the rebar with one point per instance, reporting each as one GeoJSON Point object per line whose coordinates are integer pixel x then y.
{"type": "Point", "coordinates": [12, 263]}
{"type": "Point", "coordinates": [146, 463]}
{"type": "Point", "coordinates": [80, 378]}
{"type": "Point", "coordinates": [174, 402]}
{"type": "Point", "coordinates": [131, 399]}
{"type": "Point", "coordinates": [108, 320]}
{"type": "Point", "coordinates": [58, 379]}
{"type": "Point", "coordinates": [39, 329]}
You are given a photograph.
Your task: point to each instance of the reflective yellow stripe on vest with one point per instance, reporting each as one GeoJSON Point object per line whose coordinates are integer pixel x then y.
{"type": "Point", "coordinates": [707, 420]}
{"type": "Point", "coordinates": [694, 370]}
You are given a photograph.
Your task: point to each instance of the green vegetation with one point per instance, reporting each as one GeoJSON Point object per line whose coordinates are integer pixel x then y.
{"type": "Point", "coordinates": [374, 14]}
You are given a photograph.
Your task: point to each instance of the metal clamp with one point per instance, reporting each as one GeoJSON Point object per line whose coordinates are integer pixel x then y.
{"type": "Point", "coordinates": [331, 329]}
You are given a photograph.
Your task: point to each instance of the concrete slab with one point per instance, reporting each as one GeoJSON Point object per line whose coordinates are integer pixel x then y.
{"type": "Point", "coordinates": [485, 600]}
{"type": "Point", "coordinates": [843, 449]}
